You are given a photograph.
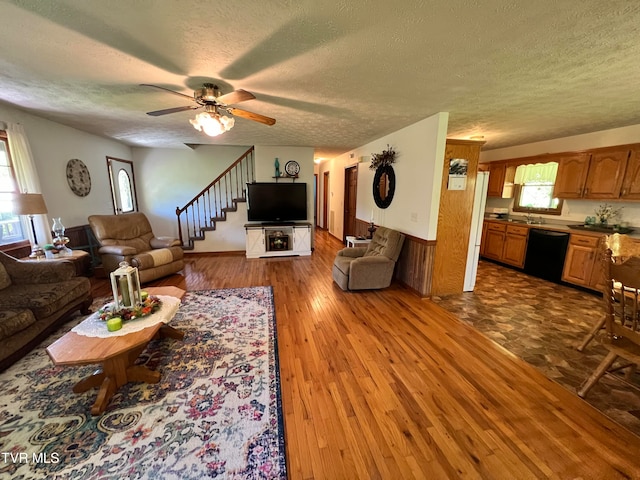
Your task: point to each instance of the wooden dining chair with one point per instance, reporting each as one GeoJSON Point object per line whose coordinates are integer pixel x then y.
{"type": "Point", "coordinates": [621, 318]}
{"type": "Point", "coordinates": [622, 247]}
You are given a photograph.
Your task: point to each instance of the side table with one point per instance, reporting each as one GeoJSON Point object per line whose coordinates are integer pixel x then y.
{"type": "Point", "coordinates": [79, 258]}
{"type": "Point", "coordinates": [357, 242]}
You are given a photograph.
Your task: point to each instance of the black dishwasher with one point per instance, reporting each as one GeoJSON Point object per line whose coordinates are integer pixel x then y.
{"type": "Point", "coordinates": [546, 250]}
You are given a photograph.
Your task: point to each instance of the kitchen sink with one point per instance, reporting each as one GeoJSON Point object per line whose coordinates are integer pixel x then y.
{"type": "Point", "coordinates": [532, 222]}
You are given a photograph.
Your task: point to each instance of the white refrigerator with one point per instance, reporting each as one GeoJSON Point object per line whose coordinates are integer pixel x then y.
{"type": "Point", "coordinates": [475, 236]}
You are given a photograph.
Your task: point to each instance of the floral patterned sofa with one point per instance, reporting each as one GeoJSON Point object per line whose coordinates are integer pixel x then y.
{"type": "Point", "coordinates": [35, 297]}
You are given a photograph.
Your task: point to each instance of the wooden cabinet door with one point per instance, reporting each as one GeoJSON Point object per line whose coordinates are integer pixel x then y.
{"type": "Point", "coordinates": [580, 260]}
{"type": "Point", "coordinates": [495, 244]}
{"type": "Point", "coordinates": [606, 173]}
{"type": "Point", "coordinates": [631, 182]}
{"type": "Point", "coordinates": [515, 246]}
{"type": "Point", "coordinates": [496, 179]}
{"type": "Point", "coordinates": [572, 175]}
{"type": "Point", "coordinates": [578, 265]}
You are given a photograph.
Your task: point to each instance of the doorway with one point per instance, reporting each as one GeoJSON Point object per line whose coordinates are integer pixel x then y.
{"type": "Point", "coordinates": [123, 185]}
{"type": "Point", "coordinates": [350, 197]}
{"type": "Point", "coordinates": [325, 201]}
{"type": "Point", "coordinates": [315, 199]}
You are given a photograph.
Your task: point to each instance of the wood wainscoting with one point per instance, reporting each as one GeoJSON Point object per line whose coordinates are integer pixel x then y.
{"type": "Point", "coordinates": [17, 250]}
{"type": "Point", "coordinates": [415, 265]}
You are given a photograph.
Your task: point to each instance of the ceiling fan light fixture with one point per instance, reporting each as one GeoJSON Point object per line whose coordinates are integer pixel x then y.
{"type": "Point", "coordinates": [212, 124]}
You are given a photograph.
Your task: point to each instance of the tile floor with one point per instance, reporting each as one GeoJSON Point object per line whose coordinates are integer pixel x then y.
{"type": "Point", "coordinates": [543, 323]}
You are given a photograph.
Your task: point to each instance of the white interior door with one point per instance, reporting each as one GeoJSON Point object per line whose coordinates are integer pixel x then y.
{"type": "Point", "coordinates": [123, 185]}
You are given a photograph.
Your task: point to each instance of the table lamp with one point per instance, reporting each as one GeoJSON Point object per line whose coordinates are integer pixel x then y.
{"type": "Point", "coordinates": [30, 204]}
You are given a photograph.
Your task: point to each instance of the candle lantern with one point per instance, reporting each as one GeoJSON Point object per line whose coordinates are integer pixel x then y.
{"type": "Point", "coordinates": [125, 284]}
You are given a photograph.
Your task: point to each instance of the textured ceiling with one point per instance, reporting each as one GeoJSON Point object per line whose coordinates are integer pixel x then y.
{"type": "Point", "coordinates": [335, 74]}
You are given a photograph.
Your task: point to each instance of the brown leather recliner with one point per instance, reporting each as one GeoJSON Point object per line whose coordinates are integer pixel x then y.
{"type": "Point", "coordinates": [128, 237]}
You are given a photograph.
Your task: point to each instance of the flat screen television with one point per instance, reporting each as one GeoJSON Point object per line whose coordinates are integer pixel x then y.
{"type": "Point", "coordinates": [276, 202]}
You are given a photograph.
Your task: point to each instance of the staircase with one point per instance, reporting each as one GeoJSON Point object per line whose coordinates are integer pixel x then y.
{"type": "Point", "coordinates": [213, 203]}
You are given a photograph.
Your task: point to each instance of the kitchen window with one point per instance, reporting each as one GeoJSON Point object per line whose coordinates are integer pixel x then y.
{"type": "Point", "coordinates": [533, 189]}
{"type": "Point", "coordinates": [10, 226]}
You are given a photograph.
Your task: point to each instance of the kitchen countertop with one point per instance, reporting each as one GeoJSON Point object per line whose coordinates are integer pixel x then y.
{"type": "Point", "coordinates": [558, 227]}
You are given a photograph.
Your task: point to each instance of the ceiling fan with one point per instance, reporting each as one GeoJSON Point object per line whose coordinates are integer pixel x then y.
{"type": "Point", "coordinates": [215, 103]}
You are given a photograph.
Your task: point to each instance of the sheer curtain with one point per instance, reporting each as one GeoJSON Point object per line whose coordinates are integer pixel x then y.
{"type": "Point", "coordinates": [27, 179]}
{"type": "Point", "coordinates": [541, 173]}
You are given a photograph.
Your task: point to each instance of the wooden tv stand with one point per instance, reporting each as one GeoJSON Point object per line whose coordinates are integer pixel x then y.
{"type": "Point", "coordinates": [278, 239]}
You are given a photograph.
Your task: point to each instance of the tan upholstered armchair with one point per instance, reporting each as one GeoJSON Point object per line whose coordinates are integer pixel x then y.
{"type": "Point", "coordinates": [128, 237]}
{"type": "Point", "coordinates": [369, 267]}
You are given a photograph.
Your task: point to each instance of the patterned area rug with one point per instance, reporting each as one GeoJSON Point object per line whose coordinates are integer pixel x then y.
{"type": "Point", "coordinates": [215, 413]}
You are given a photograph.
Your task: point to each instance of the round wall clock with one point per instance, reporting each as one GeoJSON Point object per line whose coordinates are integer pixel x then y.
{"type": "Point", "coordinates": [78, 177]}
{"type": "Point", "coordinates": [292, 168]}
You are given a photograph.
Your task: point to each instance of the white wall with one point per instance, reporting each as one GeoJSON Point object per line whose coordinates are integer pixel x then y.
{"type": "Point", "coordinates": [53, 145]}
{"type": "Point", "coordinates": [265, 168]}
{"type": "Point", "coordinates": [572, 210]}
{"type": "Point", "coordinates": [418, 168]}
{"type": "Point", "coordinates": [168, 178]}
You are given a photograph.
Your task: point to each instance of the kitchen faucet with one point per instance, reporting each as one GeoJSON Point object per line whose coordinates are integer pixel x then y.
{"type": "Point", "coordinates": [529, 217]}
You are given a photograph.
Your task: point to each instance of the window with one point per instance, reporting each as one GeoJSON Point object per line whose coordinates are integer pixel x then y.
{"type": "Point", "coordinates": [533, 190]}
{"type": "Point", "coordinates": [10, 226]}
{"type": "Point", "coordinates": [124, 188]}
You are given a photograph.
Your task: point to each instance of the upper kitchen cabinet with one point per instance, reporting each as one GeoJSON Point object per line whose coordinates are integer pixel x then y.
{"type": "Point", "coordinates": [572, 175]}
{"type": "Point", "coordinates": [606, 173]}
{"type": "Point", "coordinates": [631, 182]}
{"type": "Point", "coordinates": [501, 176]}
{"type": "Point", "coordinates": [497, 171]}
{"type": "Point", "coordinates": [598, 174]}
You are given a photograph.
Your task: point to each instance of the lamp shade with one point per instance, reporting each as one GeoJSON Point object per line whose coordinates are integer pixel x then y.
{"type": "Point", "coordinates": [28, 204]}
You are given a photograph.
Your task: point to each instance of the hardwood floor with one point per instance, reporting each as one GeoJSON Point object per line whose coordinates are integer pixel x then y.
{"type": "Point", "coordinates": [384, 384]}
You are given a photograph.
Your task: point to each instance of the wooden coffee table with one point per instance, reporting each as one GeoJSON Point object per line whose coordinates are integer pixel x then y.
{"type": "Point", "coordinates": [116, 355]}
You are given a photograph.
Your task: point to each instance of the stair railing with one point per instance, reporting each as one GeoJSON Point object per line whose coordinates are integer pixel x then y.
{"type": "Point", "coordinates": [211, 205]}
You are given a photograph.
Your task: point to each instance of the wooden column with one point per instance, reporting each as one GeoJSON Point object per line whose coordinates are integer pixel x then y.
{"type": "Point", "coordinates": [454, 221]}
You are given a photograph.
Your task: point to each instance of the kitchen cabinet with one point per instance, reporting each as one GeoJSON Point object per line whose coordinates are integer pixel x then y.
{"type": "Point", "coordinates": [483, 242]}
{"type": "Point", "coordinates": [515, 245]}
{"type": "Point", "coordinates": [505, 243]}
{"type": "Point", "coordinates": [495, 240]}
{"type": "Point", "coordinates": [497, 173]}
{"type": "Point", "coordinates": [631, 181]}
{"type": "Point", "coordinates": [606, 173]}
{"type": "Point", "coordinates": [572, 175]}
{"type": "Point", "coordinates": [597, 174]}
{"type": "Point", "coordinates": [501, 176]}
{"type": "Point", "coordinates": [580, 262]}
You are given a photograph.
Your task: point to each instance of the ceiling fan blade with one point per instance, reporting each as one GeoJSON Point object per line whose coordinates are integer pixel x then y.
{"type": "Point", "coordinates": [166, 90]}
{"type": "Point", "coordinates": [236, 96]}
{"type": "Point", "coordinates": [256, 117]}
{"type": "Point", "coordinates": [167, 111]}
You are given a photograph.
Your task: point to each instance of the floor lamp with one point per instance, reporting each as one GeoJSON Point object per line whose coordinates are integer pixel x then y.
{"type": "Point", "coordinates": [30, 204]}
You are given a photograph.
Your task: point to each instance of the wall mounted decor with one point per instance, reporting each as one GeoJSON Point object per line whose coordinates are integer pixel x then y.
{"type": "Point", "coordinates": [292, 168]}
{"type": "Point", "coordinates": [384, 181]}
{"type": "Point", "coordinates": [78, 177]}
{"type": "Point", "coordinates": [384, 185]}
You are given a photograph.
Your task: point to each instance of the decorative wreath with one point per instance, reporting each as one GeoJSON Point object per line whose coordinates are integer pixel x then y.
{"type": "Point", "coordinates": [150, 305]}
{"type": "Point", "coordinates": [387, 157]}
